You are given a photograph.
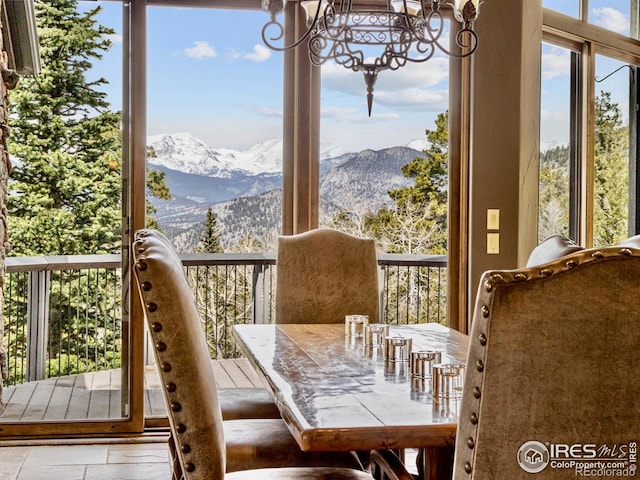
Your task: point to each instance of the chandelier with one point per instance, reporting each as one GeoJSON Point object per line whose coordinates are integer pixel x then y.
{"type": "Point", "coordinates": [370, 40]}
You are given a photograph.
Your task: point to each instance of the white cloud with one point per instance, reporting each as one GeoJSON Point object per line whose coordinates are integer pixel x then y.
{"type": "Point", "coordinates": [555, 62]}
{"type": "Point", "coordinates": [428, 74]}
{"type": "Point", "coordinates": [115, 38]}
{"type": "Point", "coordinates": [270, 112]}
{"type": "Point", "coordinates": [611, 19]}
{"type": "Point", "coordinates": [419, 99]}
{"type": "Point", "coordinates": [554, 128]}
{"type": "Point", "coordinates": [259, 54]}
{"type": "Point", "coordinates": [200, 49]}
{"type": "Point", "coordinates": [350, 115]}
{"type": "Point", "coordinates": [421, 87]}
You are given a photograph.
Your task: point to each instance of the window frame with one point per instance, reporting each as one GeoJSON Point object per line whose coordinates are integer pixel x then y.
{"type": "Point", "coordinates": [589, 41]}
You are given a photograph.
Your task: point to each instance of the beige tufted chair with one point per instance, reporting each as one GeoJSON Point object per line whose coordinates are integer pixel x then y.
{"type": "Point", "coordinates": [323, 275]}
{"type": "Point", "coordinates": [553, 364]}
{"type": "Point", "coordinates": [203, 445]}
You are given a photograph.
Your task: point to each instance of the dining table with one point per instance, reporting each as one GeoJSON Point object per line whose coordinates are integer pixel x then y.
{"type": "Point", "coordinates": [337, 394]}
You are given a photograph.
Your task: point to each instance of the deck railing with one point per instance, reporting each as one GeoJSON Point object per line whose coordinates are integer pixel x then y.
{"type": "Point", "coordinates": [62, 314]}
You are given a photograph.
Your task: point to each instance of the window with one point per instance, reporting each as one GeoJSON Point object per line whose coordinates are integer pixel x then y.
{"type": "Point", "coordinates": [613, 15]}
{"type": "Point", "coordinates": [588, 126]}
{"type": "Point", "coordinates": [215, 126]}
{"type": "Point", "coordinates": [557, 126]}
{"type": "Point", "coordinates": [567, 7]}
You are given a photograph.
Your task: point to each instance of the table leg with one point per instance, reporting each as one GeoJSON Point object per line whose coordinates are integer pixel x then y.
{"type": "Point", "coordinates": [435, 463]}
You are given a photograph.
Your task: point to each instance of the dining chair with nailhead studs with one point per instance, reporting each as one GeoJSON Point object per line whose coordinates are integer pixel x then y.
{"type": "Point", "coordinates": [204, 446]}
{"type": "Point", "coordinates": [552, 368]}
{"type": "Point", "coordinates": [238, 403]}
{"type": "Point", "coordinates": [323, 275]}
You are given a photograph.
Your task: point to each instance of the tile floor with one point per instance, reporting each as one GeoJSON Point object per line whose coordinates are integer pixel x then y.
{"type": "Point", "coordinates": [112, 461]}
{"type": "Point", "coordinates": [100, 461]}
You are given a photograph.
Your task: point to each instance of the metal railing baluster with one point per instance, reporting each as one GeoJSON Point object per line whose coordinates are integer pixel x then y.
{"type": "Point", "coordinates": [63, 314]}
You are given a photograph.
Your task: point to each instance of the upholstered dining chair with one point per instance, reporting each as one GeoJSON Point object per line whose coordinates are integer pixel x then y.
{"type": "Point", "coordinates": [204, 446]}
{"type": "Point", "coordinates": [236, 403]}
{"type": "Point", "coordinates": [323, 275]}
{"type": "Point", "coordinates": [552, 382]}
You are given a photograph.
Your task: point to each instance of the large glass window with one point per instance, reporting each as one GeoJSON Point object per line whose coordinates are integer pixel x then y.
{"type": "Point", "coordinates": [391, 181]}
{"type": "Point", "coordinates": [611, 151]}
{"type": "Point", "coordinates": [556, 126]}
{"type": "Point", "coordinates": [215, 127]}
{"type": "Point", "coordinates": [594, 97]}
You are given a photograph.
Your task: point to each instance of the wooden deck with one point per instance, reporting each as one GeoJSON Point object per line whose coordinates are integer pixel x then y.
{"type": "Point", "coordinates": [93, 396]}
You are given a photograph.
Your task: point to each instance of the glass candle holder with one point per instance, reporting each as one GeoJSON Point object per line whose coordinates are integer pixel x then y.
{"type": "Point", "coordinates": [374, 334]}
{"type": "Point", "coordinates": [422, 362]}
{"type": "Point", "coordinates": [448, 380]}
{"type": "Point", "coordinates": [354, 325]}
{"type": "Point", "coordinates": [397, 349]}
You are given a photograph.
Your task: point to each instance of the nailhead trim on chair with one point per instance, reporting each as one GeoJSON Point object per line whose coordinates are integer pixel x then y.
{"type": "Point", "coordinates": [165, 367]}
{"type": "Point", "coordinates": [482, 322]}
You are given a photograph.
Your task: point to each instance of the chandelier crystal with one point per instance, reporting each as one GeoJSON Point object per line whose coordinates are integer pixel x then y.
{"type": "Point", "coordinates": [370, 40]}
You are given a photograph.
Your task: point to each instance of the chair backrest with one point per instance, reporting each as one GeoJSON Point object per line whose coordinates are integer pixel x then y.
{"type": "Point", "coordinates": [182, 356]}
{"type": "Point", "coordinates": [323, 275]}
{"type": "Point", "coordinates": [552, 381]}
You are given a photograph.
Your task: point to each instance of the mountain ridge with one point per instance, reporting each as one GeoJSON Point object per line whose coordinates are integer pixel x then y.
{"type": "Point", "coordinates": [247, 201]}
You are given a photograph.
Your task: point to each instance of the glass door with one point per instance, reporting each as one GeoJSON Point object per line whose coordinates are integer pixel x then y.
{"type": "Point", "coordinates": [67, 332]}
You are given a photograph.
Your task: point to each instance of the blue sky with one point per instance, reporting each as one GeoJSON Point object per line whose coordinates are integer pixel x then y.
{"type": "Point", "coordinates": [210, 74]}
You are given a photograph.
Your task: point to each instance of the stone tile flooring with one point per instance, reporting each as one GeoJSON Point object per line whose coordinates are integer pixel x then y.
{"type": "Point", "coordinates": [83, 460]}
{"type": "Point", "coordinates": [111, 461]}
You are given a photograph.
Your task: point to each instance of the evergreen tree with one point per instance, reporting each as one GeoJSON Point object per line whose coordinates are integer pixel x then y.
{"type": "Point", "coordinates": [421, 207]}
{"type": "Point", "coordinates": [66, 182]}
{"type": "Point", "coordinates": [611, 203]}
{"type": "Point", "coordinates": [67, 179]}
{"type": "Point", "coordinates": [553, 217]}
{"type": "Point", "coordinates": [156, 187]}
{"type": "Point", "coordinates": [210, 236]}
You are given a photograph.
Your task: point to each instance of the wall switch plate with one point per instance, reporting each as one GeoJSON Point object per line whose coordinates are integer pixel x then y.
{"type": "Point", "coordinates": [493, 243]}
{"type": "Point", "coordinates": [493, 219]}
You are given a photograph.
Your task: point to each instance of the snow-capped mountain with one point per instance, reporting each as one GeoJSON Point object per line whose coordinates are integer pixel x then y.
{"type": "Point", "coordinates": [244, 187]}
{"type": "Point", "coordinates": [418, 144]}
{"type": "Point", "coordinates": [184, 153]}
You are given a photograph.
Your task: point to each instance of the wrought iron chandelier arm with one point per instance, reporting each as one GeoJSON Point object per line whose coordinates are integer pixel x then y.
{"type": "Point", "coordinates": [470, 45]}
{"type": "Point", "coordinates": [273, 22]}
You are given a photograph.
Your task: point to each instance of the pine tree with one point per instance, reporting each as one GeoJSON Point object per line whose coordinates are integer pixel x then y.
{"type": "Point", "coordinates": [156, 187]}
{"type": "Point", "coordinates": [210, 236]}
{"type": "Point", "coordinates": [67, 177]}
{"type": "Point", "coordinates": [66, 184]}
{"type": "Point", "coordinates": [422, 206]}
{"type": "Point", "coordinates": [553, 187]}
{"type": "Point", "coordinates": [611, 203]}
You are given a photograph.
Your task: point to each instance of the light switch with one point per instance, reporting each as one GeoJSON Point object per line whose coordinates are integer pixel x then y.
{"type": "Point", "coordinates": [493, 243]}
{"type": "Point", "coordinates": [493, 219]}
